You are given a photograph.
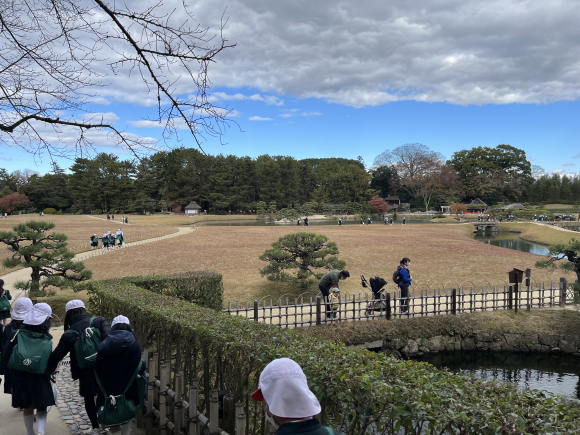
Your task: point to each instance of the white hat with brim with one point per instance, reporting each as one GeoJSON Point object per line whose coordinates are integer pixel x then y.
{"type": "Point", "coordinates": [38, 314]}
{"type": "Point", "coordinates": [284, 387]}
{"type": "Point", "coordinates": [21, 308]}
{"type": "Point", "coordinates": [120, 319]}
{"type": "Point", "coordinates": [75, 303]}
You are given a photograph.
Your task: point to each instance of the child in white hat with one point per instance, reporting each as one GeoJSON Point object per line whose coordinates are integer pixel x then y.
{"type": "Point", "coordinates": [288, 403]}
{"type": "Point", "coordinates": [21, 308]}
{"type": "Point", "coordinates": [32, 391]}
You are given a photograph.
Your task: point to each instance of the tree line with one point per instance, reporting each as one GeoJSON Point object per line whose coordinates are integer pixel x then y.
{"type": "Point", "coordinates": [169, 180]}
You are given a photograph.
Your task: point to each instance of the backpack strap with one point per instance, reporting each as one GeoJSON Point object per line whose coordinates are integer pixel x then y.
{"type": "Point", "coordinates": [329, 429]}
{"type": "Point", "coordinates": [128, 385]}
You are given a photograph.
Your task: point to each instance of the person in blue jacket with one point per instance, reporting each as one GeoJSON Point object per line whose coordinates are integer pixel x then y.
{"type": "Point", "coordinates": [404, 283]}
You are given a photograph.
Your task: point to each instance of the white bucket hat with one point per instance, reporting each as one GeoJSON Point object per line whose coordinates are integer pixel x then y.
{"type": "Point", "coordinates": [284, 387]}
{"type": "Point", "coordinates": [21, 308]}
{"type": "Point", "coordinates": [75, 303]}
{"type": "Point", "coordinates": [38, 314]}
{"type": "Point", "coordinates": [120, 319]}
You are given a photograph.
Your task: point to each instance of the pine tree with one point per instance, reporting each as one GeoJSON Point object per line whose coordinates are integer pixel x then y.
{"type": "Point", "coordinates": [47, 256]}
{"type": "Point", "coordinates": [295, 257]}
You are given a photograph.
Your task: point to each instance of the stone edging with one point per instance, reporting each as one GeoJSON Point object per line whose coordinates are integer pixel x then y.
{"type": "Point", "coordinates": [567, 344]}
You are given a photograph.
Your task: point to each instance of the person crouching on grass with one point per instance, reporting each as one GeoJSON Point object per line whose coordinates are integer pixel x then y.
{"type": "Point", "coordinates": [287, 401]}
{"type": "Point", "coordinates": [328, 281]}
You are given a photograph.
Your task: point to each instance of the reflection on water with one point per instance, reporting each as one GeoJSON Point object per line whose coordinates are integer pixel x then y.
{"type": "Point", "coordinates": [555, 374]}
{"type": "Point", "coordinates": [511, 241]}
{"type": "Point", "coordinates": [318, 222]}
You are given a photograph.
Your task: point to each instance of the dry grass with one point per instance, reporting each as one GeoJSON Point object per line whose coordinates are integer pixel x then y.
{"type": "Point", "coordinates": [539, 321]}
{"type": "Point", "coordinates": [439, 253]}
{"type": "Point", "coordinates": [173, 219]}
{"type": "Point", "coordinates": [542, 234]}
{"type": "Point", "coordinates": [445, 219]}
{"type": "Point", "coordinates": [80, 228]}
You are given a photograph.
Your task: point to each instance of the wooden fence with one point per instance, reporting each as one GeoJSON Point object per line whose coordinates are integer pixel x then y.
{"type": "Point", "coordinates": [312, 310]}
{"type": "Point", "coordinates": [169, 412]}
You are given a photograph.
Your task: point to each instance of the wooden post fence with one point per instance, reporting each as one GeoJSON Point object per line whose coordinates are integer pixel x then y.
{"type": "Point", "coordinates": [167, 396]}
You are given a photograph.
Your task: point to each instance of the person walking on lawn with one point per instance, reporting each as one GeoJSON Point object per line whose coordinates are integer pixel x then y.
{"type": "Point", "coordinates": [404, 282]}
{"type": "Point", "coordinates": [4, 304]}
{"type": "Point", "coordinates": [328, 281]}
{"type": "Point", "coordinates": [77, 320]}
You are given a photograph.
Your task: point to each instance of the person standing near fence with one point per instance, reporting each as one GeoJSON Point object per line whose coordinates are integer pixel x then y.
{"type": "Point", "coordinates": [118, 357]}
{"type": "Point", "coordinates": [404, 282]}
{"type": "Point", "coordinates": [328, 281]}
{"type": "Point", "coordinates": [31, 390]}
{"type": "Point", "coordinates": [78, 320]}
{"type": "Point", "coordinates": [289, 405]}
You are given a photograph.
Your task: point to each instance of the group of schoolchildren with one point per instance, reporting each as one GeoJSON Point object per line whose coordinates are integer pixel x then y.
{"type": "Point", "coordinates": [109, 240]}
{"type": "Point", "coordinates": [105, 359]}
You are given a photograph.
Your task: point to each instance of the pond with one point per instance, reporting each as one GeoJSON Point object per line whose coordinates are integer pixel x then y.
{"type": "Point", "coordinates": [313, 222]}
{"type": "Point", "coordinates": [558, 374]}
{"type": "Point", "coordinates": [511, 241]}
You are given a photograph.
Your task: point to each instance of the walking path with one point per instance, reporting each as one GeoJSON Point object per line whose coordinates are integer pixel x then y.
{"type": "Point", "coordinates": [70, 417]}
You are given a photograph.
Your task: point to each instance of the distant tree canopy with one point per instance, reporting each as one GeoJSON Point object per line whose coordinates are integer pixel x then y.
{"type": "Point", "coordinates": [282, 185]}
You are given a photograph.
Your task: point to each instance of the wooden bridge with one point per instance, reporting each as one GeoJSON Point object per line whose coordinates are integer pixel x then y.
{"type": "Point", "coordinates": [486, 227]}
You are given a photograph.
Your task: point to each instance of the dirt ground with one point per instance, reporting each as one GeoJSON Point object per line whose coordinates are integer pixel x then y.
{"type": "Point", "coordinates": [439, 254]}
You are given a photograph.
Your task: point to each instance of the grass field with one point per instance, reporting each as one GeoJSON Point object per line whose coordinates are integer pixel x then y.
{"type": "Point", "coordinates": [439, 253]}
{"type": "Point", "coordinates": [543, 234]}
{"type": "Point", "coordinates": [80, 228]}
{"type": "Point", "coordinates": [562, 208]}
{"type": "Point", "coordinates": [175, 220]}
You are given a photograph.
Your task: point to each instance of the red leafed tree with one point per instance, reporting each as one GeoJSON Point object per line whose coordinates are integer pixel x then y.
{"type": "Point", "coordinates": [458, 208]}
{"type": "Point", "coordinates": [378, 205]}
{"type": "Point", "coordinates": [13, 201]}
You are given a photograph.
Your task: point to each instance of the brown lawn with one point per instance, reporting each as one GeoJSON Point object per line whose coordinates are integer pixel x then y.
{"type": "Point", "coordinates": [80, 228]}
{"type": "Point", "coordinates": [439, 253]}
{"type": "Point", "coordinates": [173, 219]}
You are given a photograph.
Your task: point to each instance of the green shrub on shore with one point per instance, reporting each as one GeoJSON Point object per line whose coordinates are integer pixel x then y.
{"type": "Point", "coordinates": [362, 392]}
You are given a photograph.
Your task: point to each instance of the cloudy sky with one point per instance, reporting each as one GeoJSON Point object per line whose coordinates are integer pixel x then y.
{"type": "Point", "coordinates": [349, 78]}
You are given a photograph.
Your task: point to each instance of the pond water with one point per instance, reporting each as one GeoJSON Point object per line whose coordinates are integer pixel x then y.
{"type": "Point", "coordinates": [511, 241]}
{"type": "Point", "coordinates": [317, 222]}
{"type": "Point", "coordinates": [536, 371]}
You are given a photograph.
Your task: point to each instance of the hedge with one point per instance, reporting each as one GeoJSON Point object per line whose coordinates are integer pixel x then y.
{"type": "Point", "coordinates": [204, 287]}
{"type": "Point", "coordinates": [49, 210]}
{"type": "Point", "coordinates": [361, 392]}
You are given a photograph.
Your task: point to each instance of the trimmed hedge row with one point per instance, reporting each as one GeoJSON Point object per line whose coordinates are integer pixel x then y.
{"type": "Point", "coordinates": [361, 392]}
{"type": "Point", "coordinates": [203, 287]}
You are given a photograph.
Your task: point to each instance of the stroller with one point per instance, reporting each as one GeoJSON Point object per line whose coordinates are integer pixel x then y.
{"type": "Point", "coordinates": [379, 299]}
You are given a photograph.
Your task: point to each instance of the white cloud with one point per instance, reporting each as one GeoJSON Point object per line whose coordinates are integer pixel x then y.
{"type": "Point", "coordinates": [577, 156]}
{"type": "Point", "coordinates": [258, 118]}
{"type": "Point", "coordinates": [270, 100]}
{"type": "Point", "coordinates": [371, 53]}
{"type": "Point", "coordinates": [296, 112]}
{"type": "Point", "coordinates": [105, 118]}
{"type": "Point", "coordinates": [569, 164]}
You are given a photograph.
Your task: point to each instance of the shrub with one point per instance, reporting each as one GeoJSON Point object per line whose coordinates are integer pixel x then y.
{"type": "Point", "coordinates": [59, 212]}
{"type": "Point", "coordinates": [204, 288]}
{"type": "Point", "coordinates": [69, 211]}
{"type": "Point", "coordinates": [49, 210]}
{"type": "Point", "coordinates": [361, 391]}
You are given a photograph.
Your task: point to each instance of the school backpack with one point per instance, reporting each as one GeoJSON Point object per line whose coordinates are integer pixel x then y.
{"type": "Point", "coordinates": [87, 345]}
{"type": "Point", "coordinates": [31, 352]}
{"type": "Point", "coordinates": [397, 276]}
{"type": "Point", "coordinates": [117, 410]}
{"type": "Point", "coordinates": [4, 303]}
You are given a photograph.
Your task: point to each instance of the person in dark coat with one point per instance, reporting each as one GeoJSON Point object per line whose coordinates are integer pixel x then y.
{"type": "Point", "coordinates": [77, 318]}
{"type": "Point", "coordinates": [31, 391]}
{"type": "Point", "coordinates": [288, 403]}
{"type": "Point", "coordinates": [404, 283]}
{"type": "Point", "coordinates": [21, 308]}
{"type": "Point", "coordinates": [4, 315]}
{"type": "Point", "coordinates": [118, 357]}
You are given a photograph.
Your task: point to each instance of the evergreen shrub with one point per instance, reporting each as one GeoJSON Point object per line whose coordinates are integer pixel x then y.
{"type": "Point", "coordinates": [59, 212]}
{"type": "Point", "coordinates": [204, 288]}
{"type": "Point", "coordinates": [361, 391]}
{"type": "Point", "coordinates": [49, 210]}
